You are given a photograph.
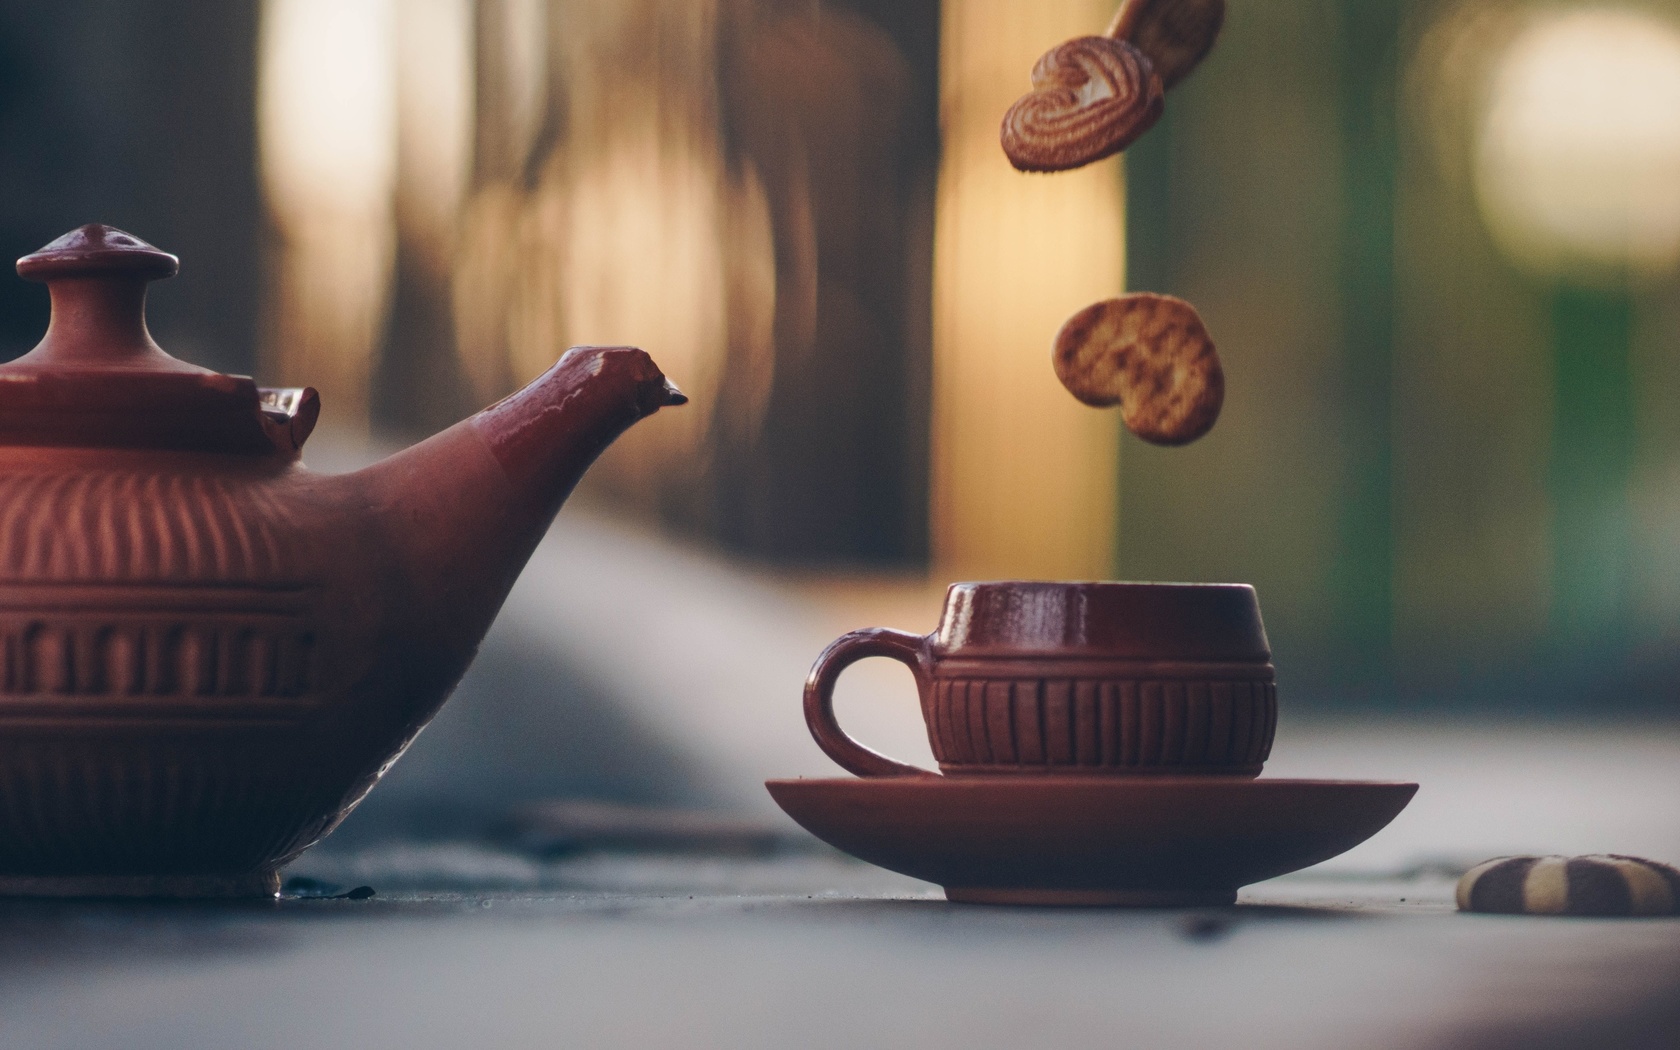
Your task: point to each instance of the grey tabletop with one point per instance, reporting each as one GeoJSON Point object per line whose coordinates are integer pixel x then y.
{"type": "Point", "coordinates": [808, 949]}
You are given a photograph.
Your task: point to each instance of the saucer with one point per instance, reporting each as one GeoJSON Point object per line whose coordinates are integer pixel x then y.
{"type": "Point", "coordinates": [1130, 841]}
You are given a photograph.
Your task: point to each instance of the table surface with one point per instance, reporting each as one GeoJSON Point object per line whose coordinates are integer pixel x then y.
{"type": "Point", "coordinates": [809, 949]}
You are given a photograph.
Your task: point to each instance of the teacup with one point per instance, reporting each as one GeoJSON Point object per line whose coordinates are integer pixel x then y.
{"type": "Point", "coordinates": [1074, 678]}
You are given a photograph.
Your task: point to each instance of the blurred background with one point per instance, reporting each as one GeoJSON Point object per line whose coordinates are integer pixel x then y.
{"type": "Point", "coordinates": [1435, 240]}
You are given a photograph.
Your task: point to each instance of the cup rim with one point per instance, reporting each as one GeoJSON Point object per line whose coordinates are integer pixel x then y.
{"type": "Point", "coordinates": [1101, 619]}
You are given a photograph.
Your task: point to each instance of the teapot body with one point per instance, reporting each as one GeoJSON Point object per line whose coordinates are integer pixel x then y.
{"type": "Point", "coordinates": [188, 679]}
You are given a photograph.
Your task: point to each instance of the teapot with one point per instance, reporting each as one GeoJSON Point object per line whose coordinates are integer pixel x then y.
{"type": "Point", "coordinates": [208, 653]}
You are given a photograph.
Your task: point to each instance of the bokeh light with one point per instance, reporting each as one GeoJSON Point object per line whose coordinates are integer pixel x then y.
{"type": "Point", "coordinates": [326, 104]}
{"type": "Point", "coordinates": [1577, 152]}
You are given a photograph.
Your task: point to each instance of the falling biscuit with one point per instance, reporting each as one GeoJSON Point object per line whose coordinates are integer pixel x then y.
{"type": "Point", "coordinates": [1091, 98]}
{"type": "Point", "coordinates": [1149, 354]}
{"type": "Point", "coordinates": [1605, 884]}
{"type": "Point", "coordinates": [1175, 34]}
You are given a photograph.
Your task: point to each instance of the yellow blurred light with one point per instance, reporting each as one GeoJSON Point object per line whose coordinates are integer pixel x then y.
{"type": "Point", "coordinates": [1025, 478]}
{"type": "Point", "coordinates": [434, 76]}
{"type": "Point", "coordinates": [327, 129]}
{"type": "Point", "coordinates": [326, 104]}
{"type": "Point", "coordinates": [1577, 155]}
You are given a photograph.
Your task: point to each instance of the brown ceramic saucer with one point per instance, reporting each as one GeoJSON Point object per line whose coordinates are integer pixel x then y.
{"type": "Point", "coordinates": [1129, 841]}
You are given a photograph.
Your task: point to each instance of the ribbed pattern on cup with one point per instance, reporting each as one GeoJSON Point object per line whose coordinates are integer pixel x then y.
{"type": "Point", "coordinates": [1098, 725]}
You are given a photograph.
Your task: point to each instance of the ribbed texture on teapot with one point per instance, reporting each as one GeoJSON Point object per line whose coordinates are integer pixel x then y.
{"type": "Point", "coordinates": [103, 526]}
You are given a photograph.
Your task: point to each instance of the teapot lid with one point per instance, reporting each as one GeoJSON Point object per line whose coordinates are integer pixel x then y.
{"type": "Point", "coordinates": [96, 379]}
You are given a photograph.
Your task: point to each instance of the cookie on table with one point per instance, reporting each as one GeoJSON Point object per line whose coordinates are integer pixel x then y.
{"type": "Point", "coordinates": [1599, 884]}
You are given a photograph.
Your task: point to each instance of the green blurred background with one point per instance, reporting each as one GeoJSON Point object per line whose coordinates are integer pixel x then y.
{"type": "Point", "coordinates": [1450, 449]}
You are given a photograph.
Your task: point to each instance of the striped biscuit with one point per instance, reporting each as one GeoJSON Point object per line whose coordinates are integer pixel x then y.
{"type": "Point", "coordinates": [1091, 98]}
{"type": "Point", "coordinates": [1600, 884]}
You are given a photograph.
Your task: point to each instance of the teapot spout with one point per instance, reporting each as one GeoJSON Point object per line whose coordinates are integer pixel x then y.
{"type": "Point", "coordinates": [546, 435]}
{"type": "Point", "coordinates": [461, 511]}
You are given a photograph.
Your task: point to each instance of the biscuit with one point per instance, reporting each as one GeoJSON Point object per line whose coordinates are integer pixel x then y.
{"type": "Point", "coordinates": [1091, 98]}
{"type": "Point", "coordinates": [1604, 884]}
{"type": "Point", "coordinates": [1151, 355]}
{"type": "Point", "coordinates": [1175, 34]}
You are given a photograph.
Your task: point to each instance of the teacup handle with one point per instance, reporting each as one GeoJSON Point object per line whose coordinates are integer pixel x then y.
{"type": "Point", "coordinates": [848, 649]}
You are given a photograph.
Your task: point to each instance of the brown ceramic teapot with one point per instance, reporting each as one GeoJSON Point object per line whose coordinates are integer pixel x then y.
{"type": "Point", "coordinates": [210, 653]}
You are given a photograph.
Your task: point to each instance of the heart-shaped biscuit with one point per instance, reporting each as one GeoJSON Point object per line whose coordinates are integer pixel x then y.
{"type": "Point", "coordinates": [1151, 355]}
{"type": "Point", "coordinates": [1174, 34]}
{"type": "Point", "coordinates": [1091, 98]}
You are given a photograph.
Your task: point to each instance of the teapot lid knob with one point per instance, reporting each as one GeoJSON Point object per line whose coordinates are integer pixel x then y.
{"type": "Point", "coordinates": [96, 250]}
{"type": "Point", "coordinates": [97, 379]}
{"type": "Point", "coordinates": [98, 276]}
